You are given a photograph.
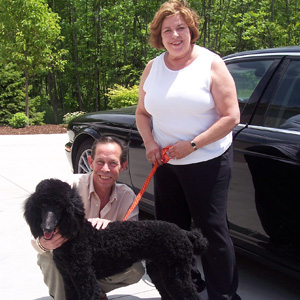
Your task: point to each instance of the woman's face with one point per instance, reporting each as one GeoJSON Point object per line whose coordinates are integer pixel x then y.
{"type": "Point", "coordinates": [176, 36]}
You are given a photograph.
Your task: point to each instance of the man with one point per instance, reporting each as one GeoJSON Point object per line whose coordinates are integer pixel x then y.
{"type": "Point", "coordinates": [104, 201]}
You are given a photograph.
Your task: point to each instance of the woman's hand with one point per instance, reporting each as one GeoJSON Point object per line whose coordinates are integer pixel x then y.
{"type": "Point", "coordinates": [180, 150]}
{"type": "Point", "coordinates": [153, 153]}
{"type": "Point", "coordinates": [99, 223]}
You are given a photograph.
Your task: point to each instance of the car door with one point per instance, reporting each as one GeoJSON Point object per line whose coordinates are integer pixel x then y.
{"type": "Point", "coordinates": [139, 170]}
{"type": "Point", "coordinates": [263, 204]}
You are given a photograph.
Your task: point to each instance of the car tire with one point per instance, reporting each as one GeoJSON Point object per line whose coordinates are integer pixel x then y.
{"type": "Point", "coordinates": [81, 164]}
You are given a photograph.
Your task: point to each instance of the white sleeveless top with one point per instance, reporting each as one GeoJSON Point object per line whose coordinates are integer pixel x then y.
{"type": "Point", "coordinates": [182, 106]}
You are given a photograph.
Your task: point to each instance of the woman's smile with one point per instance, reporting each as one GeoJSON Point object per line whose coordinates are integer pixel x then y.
{"type": "Point", "coordinates": [176, 36]}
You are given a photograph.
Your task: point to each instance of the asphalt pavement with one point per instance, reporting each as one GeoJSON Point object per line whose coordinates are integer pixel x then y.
{"type": "Point", "coordinates": [27, 159]}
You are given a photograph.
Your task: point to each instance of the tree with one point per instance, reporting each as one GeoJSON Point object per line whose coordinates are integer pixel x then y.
{"type": "Point", "coordinates": [107, 41]}
{"type": "Point", "coordinates": [12, 92]}
{"type": "Point", "coordinates": [230, 26]}
{"type": "Point", "coordinates": [29, 37]}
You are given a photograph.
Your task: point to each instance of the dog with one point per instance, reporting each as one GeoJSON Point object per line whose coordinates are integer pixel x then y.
{"type": "Point", "coordinates": [166, 249]}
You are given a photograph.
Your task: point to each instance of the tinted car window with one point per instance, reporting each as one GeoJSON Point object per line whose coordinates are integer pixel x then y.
{"type": "Point", "coordinates": [247, 75]}
{"type": "Point", "coordinates": [284, 110]}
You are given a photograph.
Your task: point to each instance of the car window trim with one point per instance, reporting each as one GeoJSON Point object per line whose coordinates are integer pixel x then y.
{"type": "Point", "coordinates": [257, 94]}
{"type": "Point", "coordinates": [271, 129]}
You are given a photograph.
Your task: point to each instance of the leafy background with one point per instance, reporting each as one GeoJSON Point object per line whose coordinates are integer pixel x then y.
{"type": "Point", "coordinates": [62, 56]}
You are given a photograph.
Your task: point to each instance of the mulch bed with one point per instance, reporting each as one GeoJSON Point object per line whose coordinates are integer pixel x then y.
{"type": "Point", "coordinates": [34, 129]}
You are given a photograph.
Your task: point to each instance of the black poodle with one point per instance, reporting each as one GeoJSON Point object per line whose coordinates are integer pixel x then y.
{"type": "Point", "coordinates": [91, 254]}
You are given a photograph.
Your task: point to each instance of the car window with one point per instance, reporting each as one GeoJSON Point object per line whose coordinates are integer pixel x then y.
{"type": "Point", "coordinates": [247, 75]}
{"type": "Point", "coordinates": [284, 110]}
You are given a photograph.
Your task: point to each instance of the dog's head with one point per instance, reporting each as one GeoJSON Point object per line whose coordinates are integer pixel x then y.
{"type": "Point", "coordinates": [54, 204]}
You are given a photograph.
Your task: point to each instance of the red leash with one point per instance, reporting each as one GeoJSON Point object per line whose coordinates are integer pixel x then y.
{"type": "Point", "coordinates": [165, 159]}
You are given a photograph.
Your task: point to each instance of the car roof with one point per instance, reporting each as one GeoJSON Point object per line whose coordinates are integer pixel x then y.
{"type": "Point", "coordinates": [282, 51]}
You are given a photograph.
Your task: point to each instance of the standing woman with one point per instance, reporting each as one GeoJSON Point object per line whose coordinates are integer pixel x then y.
{"type": "Point", "coordinates": [189, 97]}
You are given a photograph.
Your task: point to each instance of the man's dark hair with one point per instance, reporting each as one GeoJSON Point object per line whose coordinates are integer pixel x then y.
{"type": "Point", "coordinates": [108, 140]}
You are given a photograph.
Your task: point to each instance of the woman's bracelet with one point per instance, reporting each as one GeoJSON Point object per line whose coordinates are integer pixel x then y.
{"type": "Point", "coordinates": [40, 245]}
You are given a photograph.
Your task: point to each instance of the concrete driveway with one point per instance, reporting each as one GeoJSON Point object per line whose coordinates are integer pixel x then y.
{"type": "Point", "coordinates": [27, 159]}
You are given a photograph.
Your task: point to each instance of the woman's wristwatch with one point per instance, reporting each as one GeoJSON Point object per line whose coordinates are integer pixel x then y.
{"type": "Point", "coordinates": [193, 144]}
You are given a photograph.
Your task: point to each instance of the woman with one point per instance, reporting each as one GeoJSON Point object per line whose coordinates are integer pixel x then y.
{"type": "Point", "coordinates": [189, 97]}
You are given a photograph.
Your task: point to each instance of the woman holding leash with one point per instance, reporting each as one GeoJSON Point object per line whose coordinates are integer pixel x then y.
{"type": "Point", "coordinates": [189, 97]}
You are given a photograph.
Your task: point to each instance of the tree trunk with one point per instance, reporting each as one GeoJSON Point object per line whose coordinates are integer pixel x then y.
{"type": "Point", "coordinates": [26, 93]}
{"type": "Point", "coordinates": [98, 51]}
{"type": "Point", "coordinates": [75, 44]}
{"type": "Point", "coordinates": [52, 97]}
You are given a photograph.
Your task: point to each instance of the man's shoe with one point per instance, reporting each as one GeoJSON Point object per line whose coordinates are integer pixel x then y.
{"type": "Point", "coordinates": [200, 285]}
{"type": "Point", "coordinates": [198, 281]}
{"type": "Point", "coordinates": [103, 297]}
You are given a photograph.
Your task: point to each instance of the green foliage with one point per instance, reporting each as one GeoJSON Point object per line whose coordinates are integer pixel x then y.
{"type": "Point", "coordinates": [12, 96]}
{"type": "Point", "coordinates": [119, 96]}
{"type": "Point", "coordinates": [37, 118]}
{"type": "Point", "coordinates": [230, 26]}
{"type": "Point", "coordinates": [19, 120]}
{"type": "Point", "coordinates": [106, 43]}
{"type": "Point", "coordinates": [30, 35]}
{"type": "Point", "coordinates": [12, 92]}
{"type": "Point", "coordinates": [70, 116]}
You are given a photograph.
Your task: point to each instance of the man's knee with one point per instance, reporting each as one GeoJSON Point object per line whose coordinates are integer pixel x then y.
{"type": "Point", "coordinates": [137, 271]}
{"type": "Point", "coordinates": [45, 260]}
{"type": "Point", "coordinates": [52, 276]}
{"type": "Point", "coordinates": [129, 276]}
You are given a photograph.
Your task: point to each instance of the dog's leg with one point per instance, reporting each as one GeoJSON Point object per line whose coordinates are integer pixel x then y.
{"type": "Point", "coordinates": [70, 289]}
{"type": "Point", "coordinates": [173, 277]}
{"type": "Point", "coordinates": [80, 282]}
{"type": "Point", "coordinates": [178, 282]}
{"type": "Point", "coordinates": [69, 286]}
{"type": "Point", "coordinates": [181, 289]}
{"type": "Point", "coordinates": [156, 278]}
{"type": "Point", "coordinates": [87, 286]}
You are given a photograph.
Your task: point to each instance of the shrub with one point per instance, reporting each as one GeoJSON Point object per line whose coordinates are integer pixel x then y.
{"type": "Point", "coordinates": [12, 92]}
{"type": "Point", "coordinates": [19, 120]}
{"type": "Point", "coordinates": [70, 116]}
{"type": "Point", "coordinates": [119, 96]}
{"type": "Point", "coordinates": [37, 118]}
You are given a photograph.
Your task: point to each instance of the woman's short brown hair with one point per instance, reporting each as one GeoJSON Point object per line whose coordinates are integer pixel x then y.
{"type": "Point", "coordinates": [170, 8]}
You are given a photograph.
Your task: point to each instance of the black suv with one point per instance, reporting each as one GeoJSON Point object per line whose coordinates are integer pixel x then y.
{"type": "Point", "coordinates": [264, 200]}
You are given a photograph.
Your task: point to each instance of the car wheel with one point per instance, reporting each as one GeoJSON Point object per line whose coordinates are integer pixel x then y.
{"type": "Point", "coordinates": [81, 164]}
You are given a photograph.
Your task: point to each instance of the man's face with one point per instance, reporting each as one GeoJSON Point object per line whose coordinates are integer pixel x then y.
{"type": "Point", "coordinates": [106, 164]}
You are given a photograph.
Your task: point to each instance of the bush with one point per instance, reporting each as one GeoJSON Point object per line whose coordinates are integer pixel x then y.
{"type": "Point", "coordinates": [119, 96]}
{"type": "Point", "coordinates": [37, 118]}
{"type": "Point", "coordinates": [12, 92]}
{"type": "Point", "coordinates": [70, 116]}
{"type": "Point", "coordinates": [19, 120]}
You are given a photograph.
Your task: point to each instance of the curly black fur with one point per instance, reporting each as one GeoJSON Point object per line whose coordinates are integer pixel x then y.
{"type": "Point", "coordinates": [92, 254]}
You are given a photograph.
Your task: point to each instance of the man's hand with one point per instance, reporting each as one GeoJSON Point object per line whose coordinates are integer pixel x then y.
{"type": "Point", "coordinates": [99, 223]}
{"type": "Point", "coordinates": [56, 241]}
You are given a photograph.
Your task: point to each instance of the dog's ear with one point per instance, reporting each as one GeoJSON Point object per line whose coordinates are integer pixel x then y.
{"type": "Point", "coordinates": [73, 216]}
{"type": "Point", "coordinates": [33, 216]}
